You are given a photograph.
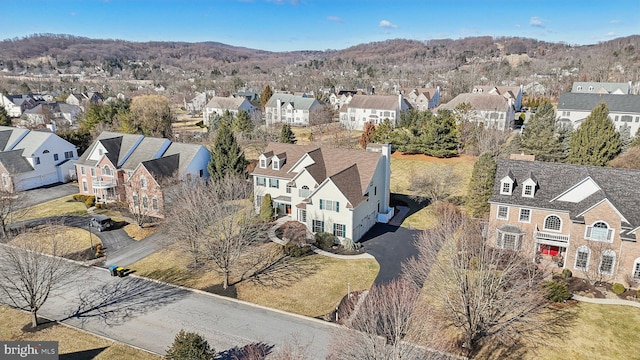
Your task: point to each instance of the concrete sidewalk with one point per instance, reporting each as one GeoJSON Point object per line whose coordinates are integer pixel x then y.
{"type": "Point", "coordinates": [606, 301]}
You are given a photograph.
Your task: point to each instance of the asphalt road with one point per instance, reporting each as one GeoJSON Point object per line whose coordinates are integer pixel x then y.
{"type": "Point", "coordinates": [148, 314]}
{"type": "Point", "coordinates": [46, 193]}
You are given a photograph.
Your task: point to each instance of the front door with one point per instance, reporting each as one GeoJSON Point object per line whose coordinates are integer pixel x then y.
{"type": "Point", "coordinates": [288, 209]}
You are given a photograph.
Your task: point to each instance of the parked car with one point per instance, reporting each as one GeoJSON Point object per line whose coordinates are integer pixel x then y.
{"type": "Point", "coordinates": [101, 222]}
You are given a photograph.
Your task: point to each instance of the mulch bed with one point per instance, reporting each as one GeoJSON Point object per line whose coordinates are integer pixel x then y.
{"type": "Point", "coordinates": [599, 290]}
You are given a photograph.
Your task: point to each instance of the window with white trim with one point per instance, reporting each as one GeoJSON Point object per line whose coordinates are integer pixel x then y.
{"type": "Point", "coordinates": [317, 226]}
{"type": "Point", "coordinates": [145, 202]}
{"type": "Point", "coordinates": [275, 164]}
{"type": "Point", "coordinates": [636, 270]}
{"type": "Point", "coordinates": [525, 215]}
{"type": "Point", "coordinates": [154, 203]}
{"type": "Point", "coordinates": [82, 170]}
{"type": "Point", "coordinates": [261, 181]}
{"type": "Point", "coordinates": [583, 254]}
{"type": "Point", "coordinates": [106, 171]}
{"type": "Point", "coordinates": [68, 154]}
{"type": "Point", "coordinates": [509, 241]}
{"type": "Point", "coordinates": [135, 200]}
{"type": "Point", "coordinates": [85, 186]}
{"type": "Point", "coordinates": [274, 183]}
{"type": "Point", "coordinates": [506, 186]}
{"type": "Point", "coordinates": [36, 160]}
{"type": "Point", "coordinates": [143, 182]}
{"type": "Point", "coordinates": [289, 187]}
{"type": "Point", "coordinates": [339, 230]}
{"type": "Point", "coordinates": [329, 205]}
{"type": "Point", "coordinates": [527, 191]}
{"type": "Point", "coordinates": [93, 171]}
{"type": "Point", "coordinates": [552, 222]}
{"type": "Point", "coordinates": [55, 157]}
{"type": "Point", "coordinates": [302, 215]}
{"type": "Point", "coordinates": [607, 260]}
{"type": "Point", "coordinates": [263, 163]}
{"type": "Point", "coordinates": [599, 231]}
{"type": "Point", "coordinates": [304, 191]}
{"type": "Point", "coordinates": [503, 212]}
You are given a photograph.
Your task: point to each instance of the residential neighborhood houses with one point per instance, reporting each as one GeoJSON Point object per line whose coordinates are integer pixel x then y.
{"type": "Point", "coordinates": [217, 106]}
{"type": "Point", "coordinates": [490, 110]}
{"type": "Point", "coordinates": [372, 108]}
{"type": "Point", "coordinates": [31, 159]}
{"type": "Point", "coordinates": [133, 168]}
{"type": "Point", "coordinates": [343, 192]}
{"type": "Point", "coordinates": [582, 218]}
{"type": "Point", "coordinates": [290, 109]}
{"type": "Point", "coordinates": [624, 110]}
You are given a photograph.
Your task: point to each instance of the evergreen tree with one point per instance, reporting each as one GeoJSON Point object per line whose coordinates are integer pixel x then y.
{"type": "Point", "coordinates": [383, 132]}
{"type": "Point", "coordinates": [189, 346]}
{"type": "Point", "coordinates": [367, 134]}
{"type": "Point", "coordinates": [481, 185]}
{"type": "Point", "coordinates": [596, 141]}
{"type": "Point", "coordinates": [439, 136]}
{"type": "Point", "coordinates": [242, 123]}
{"type": "Point", "coordinates": [625, 137]}
{"type": "Point", "coordinates": [5, 120]}
{"type": "Point", "coordinates": [226, 155]}
{"type": "Point", "coordinates": [286, 135]}
{"type": "Point", "coordinates": [266, 208]}
{"type": "Point", "coordinates": [540, 135]}
{"type": "Point", "coordinates": [266, 95]}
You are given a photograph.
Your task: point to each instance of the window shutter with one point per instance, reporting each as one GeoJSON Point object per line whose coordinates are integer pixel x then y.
{"type": "Point", "coordinates": [322, 226]}
{"type": "Point", "coordinates": [337, 206]}
{"type": "Point", "coordinates": [588, 232]}
{"type": "Point", "coordinates": [610, 235]}
{"type": "Point", "coordinates": [320, 204]}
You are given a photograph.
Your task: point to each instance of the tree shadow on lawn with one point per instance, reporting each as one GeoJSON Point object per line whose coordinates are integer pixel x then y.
{"type": "Point", "coordinates": [254, 351]}
{"type": "Point", "coordinates": [117, 301]}
{"type": "Point", "coordinates": [277, 270]}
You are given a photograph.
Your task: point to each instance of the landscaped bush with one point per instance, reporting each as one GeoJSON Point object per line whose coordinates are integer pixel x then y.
{"type": "Point", "coordinates": [348, 244]}
{"type": "Point", "coordinates": [325, 240]}
{"type": "Point", "coordinates": [80, 197]}
{"type": "Point", "coordinates": [618, 288]}
{"type": "Point", "coordinates": [566, 273]}
{"type": "Point", "coordinates": [90, 201]}
{"type": "Point", "coordinates": [556, 291]}
{"type": "Point", "coordinates": [294, 250]}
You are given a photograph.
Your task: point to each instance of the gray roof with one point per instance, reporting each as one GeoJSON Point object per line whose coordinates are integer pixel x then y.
{"type": "Point", "coordinates": [32, 141]}
{"type": "Point", "coordinates": [116, 144]}
{"type": "Point", "coordinates": [148, 149]}
{"type": "Point", "coordinates": [4, 138]}
{"type": "Point", "coordinates": [14, 162]}
{"type": "Point", "coordinates": [227, 103]}
{"type": "Point", "coordinates": [620, 186]}
{"type": "Point", "coordinates": [163, 167]}
{"type": "Point", "coordinates": [586, 102]}
{"type": "Point", "coordinates": [599, 87]}
{"type": "Point", "coordinates": [298, 102]}
{"type": "Point", "coordinates": [378, 102]}
{"type": "Point", "coordinates": [485, 102]}
{"type": "Point", "coordinates": [16, 134]}
{"type": "Point", "coordinates": [186, 151]}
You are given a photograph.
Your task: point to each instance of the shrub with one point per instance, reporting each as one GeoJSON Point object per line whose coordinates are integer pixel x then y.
{"type": "Point", "coordinates": [348, 244]}
{"type": "Point", "coordinates": [566, 273]}
{"type": "Point", "coordinates": [325, 240]}
{"type": "Point", "coordinates": [618, 288]}
{"type": "Point", "coordinates": [294, 250]}
{"type": "Point", "coordinates": [80, 197]}
{"type": "Point", "coordinates": [190, 346]}
{"type": "Point", "coordinates": [266, 208]}
{"type": "Point", "coordinates": [556, 291]}
{"type": "Point", "coordinates": [90, 201]}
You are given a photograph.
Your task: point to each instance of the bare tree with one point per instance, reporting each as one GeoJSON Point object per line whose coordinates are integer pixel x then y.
{"type": "Point", "coordinates": [381, 326]}
{"type": "Point", "coordinates": [595, 261]}
{"type": "Point", "coordinates": [481, 293]}
{"type": "Point", "coordinates": [435, 182]}
{"type": "Point", "coordinates": [32, 271]}
{"type": "Point", "coordinates": [9, 209]}
{"type": "Point", "coordinates": [320, 119]}
{"type": "Point", "coordinates": [216, 222]}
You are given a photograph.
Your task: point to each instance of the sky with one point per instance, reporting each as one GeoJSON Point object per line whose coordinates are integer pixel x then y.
{"type": "Point", "coordinates": [288, 25]}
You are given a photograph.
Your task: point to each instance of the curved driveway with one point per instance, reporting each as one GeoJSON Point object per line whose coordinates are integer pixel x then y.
{"type": "Point", "coordinates": [391, 245]}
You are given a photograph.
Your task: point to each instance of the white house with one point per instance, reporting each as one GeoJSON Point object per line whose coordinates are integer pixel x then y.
{"type": "Point", "coordinates": [372, 108]}
{"type": "Point", "coordinates": [624, 110]}
{"type": "Point", "coordinates": [217, 106]}
{"type": "Point", "coordinates": [30, 159]}
{"type": "Point", "coordinates": [290, 109]}
{"type": "Point", "coordinates": [490, 110]}
{"type": "Point", "coordinates": [513, 93]}
{"type": "Point", "coordinates": [344, 192]}
{"type": "Point", "coordinates": [15, 105]}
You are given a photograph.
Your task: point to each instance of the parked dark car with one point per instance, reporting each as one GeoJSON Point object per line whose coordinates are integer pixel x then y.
{"type": "Point", "coordinates": [101, 222]}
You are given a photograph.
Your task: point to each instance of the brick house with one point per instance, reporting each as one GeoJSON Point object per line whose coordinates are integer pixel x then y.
{"type": "Point", "coordinates": [341, 191]}
{"type": "Point", "coordinates": [112, 168]}
{"type": "Point", "coordinates": [581, 218]}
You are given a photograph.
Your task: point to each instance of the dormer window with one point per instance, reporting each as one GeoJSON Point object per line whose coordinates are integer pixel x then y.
{"type": "Point", "coordinates": [263, 163]}
{"type": "Point", "coordinates": [579, 88]}
{"type": "Point", "coordinates": [506, 188]}
{"type": "Point", "coordinates": [528, 188]}
{"type": "Point", "coordinates": [275, 164]}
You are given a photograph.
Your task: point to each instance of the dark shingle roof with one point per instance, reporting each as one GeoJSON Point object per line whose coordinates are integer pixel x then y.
{"type": "Point", "coordinates": [163, 167]}
{"type": "Point", "coordinates": [14, 162]}
{"type": "Point", "coordinates": [620, 186]}
{"type": "Point", "coordinates": [4, 139]}
{"type": "Point", "coordinates": [586, 102]}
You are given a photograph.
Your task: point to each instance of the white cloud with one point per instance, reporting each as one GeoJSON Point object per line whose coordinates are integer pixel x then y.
{"type": "Point", "coordinates": [536, 22]}
{"type": "Point", "coordinates": [387, 24]}
{"type": "Point", "coordinates": [335, 19]}
{"type": "Point", "coordinates": [615, 21]}
{"type": "Point", "coordinates": [611, 34]}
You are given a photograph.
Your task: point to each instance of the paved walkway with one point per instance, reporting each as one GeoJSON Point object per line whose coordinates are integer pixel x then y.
{"type": "Point", "coordinates": [606, 301]}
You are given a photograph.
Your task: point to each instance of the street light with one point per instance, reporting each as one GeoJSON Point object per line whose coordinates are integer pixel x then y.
{"type": "Point", "coordinates": [90, 237]}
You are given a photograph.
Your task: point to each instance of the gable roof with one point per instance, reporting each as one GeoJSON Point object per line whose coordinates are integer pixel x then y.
{"type": "Point", "coordinates": [228, 103]}
{"type": "Point", "coordinates": [481, 102]}
{"type": "Point", "coordinates": [350, 170]}
{"type": "Point", "coordinates": [379, 102]}
{"type": "Point", "coordinates": [186, 154]}
{"type": "Point", "coordinates": [149, 148]}
{"type": "Point", "coordinates": [163, 167]}
{"type": "Point", "coordinates": [297, 101]}
{"type": "Point", "coordinates": [14, 162]}
{"type": "Point", "coordinates": [117, 145]}
{"type": "Point", "coordinates": [621, 187]}
{"type": "Point", "coordinates": [599, 87]}
{"type": "Point", "coordinates": [32, 141]}
{"type": "Point", "coordinates": [586, 102]}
